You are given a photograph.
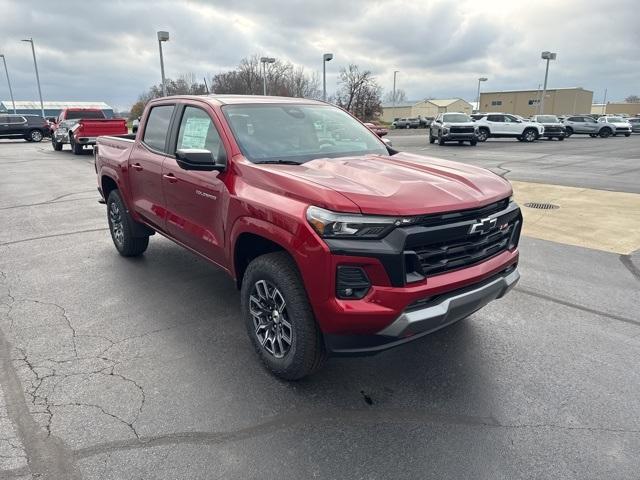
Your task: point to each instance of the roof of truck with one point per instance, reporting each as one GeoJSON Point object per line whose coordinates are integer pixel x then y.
{"type": "Point", "coordinates": [249, 99]}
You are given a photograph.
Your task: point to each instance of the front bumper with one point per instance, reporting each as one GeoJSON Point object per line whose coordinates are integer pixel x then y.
{"type": "Point", "coordinates": [426, 318]}
{"type": "Point", "coordinates": [459, 136]}
{"type": "Point", "coordinates": [86, 140]}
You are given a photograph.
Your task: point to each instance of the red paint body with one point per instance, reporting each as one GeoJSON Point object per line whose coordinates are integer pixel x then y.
{"type": "Point", "coordinates": [89, 128]}
{"type": "Point", "coordinates": [271, 201]}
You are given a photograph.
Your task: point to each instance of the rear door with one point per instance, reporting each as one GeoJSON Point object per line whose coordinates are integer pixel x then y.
{"type": "Point", "coordinates": [196, 199]}
{"type": "Point", "coordinates": [589, 125]}
{"type": "Point", "coordinates": [4, 125]}
{"type": "Point", "coordinates": [145, 166]}
{"type": "Point", "coordinates": [496, 124]}
{"type": "Point", "coordinates": [17, 125]}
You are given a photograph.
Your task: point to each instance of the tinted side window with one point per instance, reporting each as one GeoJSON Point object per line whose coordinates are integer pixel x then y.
{"type": "Point", "coordinates": [574, 119]}
{"type": "Point", "coordinates": [495, 118]}
{"type": "Point", "coordinates": [4, 119]}
{"type": "Point", "coordinates": [17, 120]}
{"type": "Point", "coordinates": [197, 130]}
{"type": "Point", "coordinates": [155, 132]}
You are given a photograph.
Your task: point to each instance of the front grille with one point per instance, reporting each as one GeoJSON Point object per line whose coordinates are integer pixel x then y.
{"type": "Point", "coordinates": [462, 252]}
{"type": "Point", "coordinates": [553, 129]}
{"type": "Point", "coordinates": [462, 215]}
{"type": "Point", "coordinates": [461, 129]}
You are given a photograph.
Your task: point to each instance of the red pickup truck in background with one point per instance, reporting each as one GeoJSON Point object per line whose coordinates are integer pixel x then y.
{"type": "Point", "coordinates": [82, 126]}
{"type": "Point", "coordinates": [339, 244]}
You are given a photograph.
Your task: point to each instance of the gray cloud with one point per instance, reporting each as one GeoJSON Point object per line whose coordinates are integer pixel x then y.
{"type": "Point", "coordinates": [107, 50]}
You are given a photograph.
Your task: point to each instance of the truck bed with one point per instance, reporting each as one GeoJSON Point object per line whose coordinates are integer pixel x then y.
{"type": "Point", "coordinates": [98, 127]}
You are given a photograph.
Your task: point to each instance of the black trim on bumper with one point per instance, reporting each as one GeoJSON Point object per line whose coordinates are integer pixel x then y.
{"type": "Point", "coordinates": [429, 317]}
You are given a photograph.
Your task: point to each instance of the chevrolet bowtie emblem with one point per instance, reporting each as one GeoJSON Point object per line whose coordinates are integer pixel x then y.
{"type": "Point", "coordinates": [483, 226]}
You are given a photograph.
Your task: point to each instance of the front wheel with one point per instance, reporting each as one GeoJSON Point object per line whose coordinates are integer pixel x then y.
{"type": "Point", "coordinates": [473, 143]}
{"type": "Point", "coordinates": [483, 134]}
{"type": "Point", "coordinates": [279, 319]}
{"type": "Point", "coordinates": [605, 132]}
{"type": "Point", "coordinates": [121, 228]}
{"type": "Point", "coordinates": [561, 138]}
{"type": "Point", "coordinates": [57, 146]}
{"type": "Point", "coordinates": [569, 131]}
{"type": "Point", "coordinates": [529, 135]}
{"type": "Point", "coordinates": [431, 138]}
{"type": "Point", "coordinates": [627, 134]}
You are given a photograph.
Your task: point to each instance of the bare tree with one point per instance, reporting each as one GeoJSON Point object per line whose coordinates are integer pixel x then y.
{"type": "Point", "coordinates": [632, 99]}
{"type": "Point", "coordinates": [186, 84]}
{"type": "Point", "coordinates": [401, 96]}
{"type": "Point", "coordinates": [283, 79]}
{"type": "Point", "coordinates": [359, 93]}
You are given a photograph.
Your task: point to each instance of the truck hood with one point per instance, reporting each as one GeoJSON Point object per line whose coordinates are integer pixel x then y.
{"type": "Point", "coordinates": [403, 184]}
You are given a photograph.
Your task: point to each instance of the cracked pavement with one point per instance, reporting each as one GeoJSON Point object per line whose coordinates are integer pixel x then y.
{"type": "Point", "coordinates": [112, 368]}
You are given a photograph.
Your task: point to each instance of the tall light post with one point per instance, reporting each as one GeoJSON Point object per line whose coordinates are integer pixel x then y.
{"type": "Point", "coordinates": [35, 63]}
{"type": "Point", "coordinates": [393, 99]}
{"type": "Point", "coordinates": [162, 37]}
{"type": "Point", "coordinates": [9, 82]}
{"type": "Point", "coordinates": [327, 57]}
{"type": "Point", "coordinates": [264, 61]}
{"type": "Point", "coordinates": [548, 56]}
{"type": "Point", "coordinates": [481, 79]}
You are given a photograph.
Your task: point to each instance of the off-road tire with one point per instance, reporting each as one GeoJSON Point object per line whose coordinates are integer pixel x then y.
{"type": "Point", "coordinates": [35, 135]}
{"type": "Point", "coordinates": [306, 353]}
{"type": "Point", "coordinates": [57, 146]}
{"type": "Point", "coordinates": [627, 134]}
{"type": "Point", "coordinates": [483, 134]}
{"type": "Point", "coordinates": [128, 245]}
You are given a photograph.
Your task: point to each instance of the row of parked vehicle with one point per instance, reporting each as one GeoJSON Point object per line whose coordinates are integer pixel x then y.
{"type": "Point", "coordinates": [460, 127]}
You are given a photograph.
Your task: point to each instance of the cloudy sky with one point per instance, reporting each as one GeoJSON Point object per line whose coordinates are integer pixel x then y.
{"type": "Point", "coordinates": [107, 50]}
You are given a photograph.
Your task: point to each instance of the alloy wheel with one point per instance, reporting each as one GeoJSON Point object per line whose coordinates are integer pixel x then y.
{"type": "Point", "coordinates": [115, 219]}
{"type": "Point", "coordinates": [268, 309]}
{"type": "Point", "coordinates": [36, 136]}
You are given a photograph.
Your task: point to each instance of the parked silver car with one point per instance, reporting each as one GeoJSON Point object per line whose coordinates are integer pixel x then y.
{"type": "Point", "coordinates": [453, 127]}
{"type": "Point", "coordinates": [620, 125]}
{"type": "Point", "coordinates": [635, 125]}
{"type": "Point", "coordinates": [584, 124]}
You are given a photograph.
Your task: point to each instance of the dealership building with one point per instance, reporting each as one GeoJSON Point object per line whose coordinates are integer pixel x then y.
{"type": "Point", "coordinates": [557, 101]}
{"type": "Point", "coordinates": [423, 108]}
{"type": "Point", "coordinates": [51, 109]}
{"type": "Point", "coordinates": [616, 108]}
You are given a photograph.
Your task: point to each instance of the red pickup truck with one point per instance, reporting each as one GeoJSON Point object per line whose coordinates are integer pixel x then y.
{"type": "Point", "coordinates": [81, 126]}
{"type": "Point", "coordinates": [339, 244]}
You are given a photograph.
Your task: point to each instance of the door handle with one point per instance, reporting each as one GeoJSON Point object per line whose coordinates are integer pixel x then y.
{"type": "Point", "coordinates": [137, 167]}
{"type": "Point", "coordinates": [170, 177]}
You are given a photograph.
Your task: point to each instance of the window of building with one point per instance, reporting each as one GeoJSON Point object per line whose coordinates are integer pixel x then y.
{"type": "Point", "coordinates": [534, 101]}
{"type": "Point", "coordinates": [496, 103]}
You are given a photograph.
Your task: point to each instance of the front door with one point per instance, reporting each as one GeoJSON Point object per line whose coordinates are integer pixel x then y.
{"type": "Point", "coordinates": [145, 167]}
{"type": "Point", "coordinates": [496, 124]}
{"type": "Point", "coordinates": [195, 199]}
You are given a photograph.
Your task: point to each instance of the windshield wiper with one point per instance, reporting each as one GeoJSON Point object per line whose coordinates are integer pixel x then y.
{"type": "Point", "coordinates": [281, 162]}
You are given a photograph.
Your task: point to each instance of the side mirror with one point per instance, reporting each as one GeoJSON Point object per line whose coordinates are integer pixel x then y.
{"type": "Point", "coordinates": [198, 159]}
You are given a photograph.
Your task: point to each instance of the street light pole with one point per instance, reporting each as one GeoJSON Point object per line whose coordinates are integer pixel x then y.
{"type": "Point", "coordinates": [393, 99]}
{"type": "Point", "coordinates": [481, 79]}
{"type": "Point", "coordinates": [162, 37]}
{"type": "Point", "coordinates": [35, 63]}
{"type": "Point", "coordinates": [327, 57]}
{"type": "Point", "coordinates": [604, 102]}
{"type": "Point", "coordinates": [9, 83]}
{"type": "Point", "coordinates": [548, 56]}
{"type": "Point", "coordinates": [264, 61]}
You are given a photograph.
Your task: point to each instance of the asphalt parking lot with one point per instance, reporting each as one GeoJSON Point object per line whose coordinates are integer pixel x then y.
{"type": "Point", "coordinates": [112, 368]}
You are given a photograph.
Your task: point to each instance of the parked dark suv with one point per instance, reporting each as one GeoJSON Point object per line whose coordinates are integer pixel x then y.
{"type": "Point", "coordinates": [32, 128]}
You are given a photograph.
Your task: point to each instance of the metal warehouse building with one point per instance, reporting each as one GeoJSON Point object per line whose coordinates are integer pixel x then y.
{"type": "Point", "coordinates": [51, 109]}
{"type": "Point", "coordinates": [424, 108]}
{"type": "Point", "coordinates": [620, 108]}
{"type": "Point", "coordinates": [558, 101]}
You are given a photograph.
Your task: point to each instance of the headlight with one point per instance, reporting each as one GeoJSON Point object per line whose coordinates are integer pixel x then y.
{"type": "Point", "coordinates": [346, 225]}
{"type": "Point", "coordinates": [445, 130]}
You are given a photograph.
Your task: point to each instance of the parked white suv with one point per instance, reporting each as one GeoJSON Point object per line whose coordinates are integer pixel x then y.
{"type": "Point", "coordinates": [503, 125]}
{"type": "Point", "coordinates": [620, 125]}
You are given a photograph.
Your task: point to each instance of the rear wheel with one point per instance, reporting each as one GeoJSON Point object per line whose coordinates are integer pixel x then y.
{"type": "Point", "coordinates": [279, 319]}
{"type": "Point", "coordinates": [76, 148]}
{"type": "Point", "coordinates": [35, 136]}
{"type": "Point", "coordinates": [57, 146]}
{"type": "Point", "coordinates": [529, 135]}
{"type": "Point", "coordinates": [561, 138]}
{"type": "Point", "coordinates": [605, 132]}
{"type": "Point", "coordinates": [121, 227]}
{"type": "Point", "coordinates": [440, 139]}
{"type": "Point", "coordinates": [483, 134]}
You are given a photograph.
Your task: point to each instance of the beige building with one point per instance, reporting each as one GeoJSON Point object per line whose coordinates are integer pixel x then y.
{"type": "Point", "coordinates": [425, 108]}
{"type": "Point", "coordinates": [558, 101]}
{"type": "Point", "coordinates": [631, 109]}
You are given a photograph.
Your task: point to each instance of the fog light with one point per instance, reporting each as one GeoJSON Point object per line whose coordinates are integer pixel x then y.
{"type": "Point", "coordinates": [352, 283]}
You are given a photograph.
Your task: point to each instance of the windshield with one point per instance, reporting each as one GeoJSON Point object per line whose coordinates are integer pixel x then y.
{"type": "Point", "coordinates": [76, 114]}
{"type": "Point", "coordinates": [456, 118]}
{"type": "Point", "coordinates": [615, 119]}
{"type": "Point", "coordinates": [547, 119]}
{"type": "Point", "coordinates": [299, 133]}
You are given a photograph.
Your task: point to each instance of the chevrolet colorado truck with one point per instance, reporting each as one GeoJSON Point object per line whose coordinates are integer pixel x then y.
{"type": "Point", "coordinates": [339, 244]}
{"type": "Point", "coordinates": [453, 127]}
{"type": "Point", "coordinates": [81, 126]}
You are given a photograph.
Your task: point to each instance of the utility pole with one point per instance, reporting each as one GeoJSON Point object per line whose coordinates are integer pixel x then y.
{"type": "Point", "coordinates": [604, 102]}
{"type": "Point", "coordinates": [9, 83]}
{"type": "Point", "coordinates": [393, 100]}
{"type": "Point", "coordinates": [327, 57]}
{"type": "Point", "coordinates": [546, 56]}
{"type": "Point", "coordinates": [162, 37]}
